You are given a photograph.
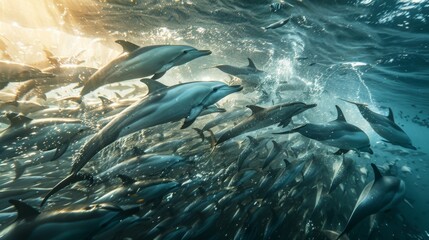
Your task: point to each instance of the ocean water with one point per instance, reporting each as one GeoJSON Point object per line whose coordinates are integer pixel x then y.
{"type": "Point", "coordinates": [373, 52]}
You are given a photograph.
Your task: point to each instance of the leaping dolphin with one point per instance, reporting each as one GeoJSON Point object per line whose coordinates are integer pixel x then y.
{"type": "Point", "coordinates": [165, 105]}
{"type": "Point", "coordinates": [264, 117]}
{"type": "Point", "coordinates": [385, 126]}
{"type": "Point", "coordinates": [338, 133]}
{"type": "Point", "coordinates": [379, 195]}
{"type": "Point", "coordinates": [138, 62]}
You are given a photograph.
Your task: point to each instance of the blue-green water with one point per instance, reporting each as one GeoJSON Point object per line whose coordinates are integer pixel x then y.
{"type": "Point", "coordinates": [373, 52]}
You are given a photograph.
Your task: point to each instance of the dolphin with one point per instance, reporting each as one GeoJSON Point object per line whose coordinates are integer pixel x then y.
{"type": "Point", "coordinates": [379, 195]}
{"type": "Point", "coordinates": [385, 126]}
{"type": "Point", "coordinates": [17, 72]}
{"type": "Point", "coordinates": [138, 62]}
{"type": "Point", "coordinates": [338, 133]}
{"type": "Point", "coordinates": [277, 24]}
{"type": "Point", "coordinates": [26, 134]}
{"type": "Point", "coordinates": [165, 105]}
{"type": "Point", "coordinates": [79, 223]}
{"type": "Point", "coordinates": [264, 117]}
{"type": "Point", "coordinates": [250, 74]}
{"type": "Point", "coordinates": [133, 191]}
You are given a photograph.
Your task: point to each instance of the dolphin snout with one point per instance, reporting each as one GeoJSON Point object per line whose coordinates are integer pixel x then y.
{"type": "Point", "coordinates": [205, 52]}
{"type": "Point", "coordinates": [236, 88]}
{"type": "Point", "coordinates": [311, 106]}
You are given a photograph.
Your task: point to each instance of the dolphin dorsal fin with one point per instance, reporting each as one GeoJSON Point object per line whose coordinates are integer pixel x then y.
{"type": "Point", "coordinates": [118, 96]}
{"type": "Point", "coordinates": [255, 109]}
{"type": "Point", "coordinates": [25, 211]}
{"type": "Point", "coordinates": [377, 174]}
{"type": "Point", "coordinates": [127, 46]}
{"type": "Point", "coordinates": [105, 101]}
{"type": "Point", "coordinates": [17, 119]}
{"type": "Point", "coordinates": [251, 63]}
{"type": "Point", "coordinates": [126, 180]}
{"type": "Point", "coordinates": [153, 85]}
{"type": "Point", "coordinates": [390, 116]}
{"type": "Point", "coordinates": [340, 115]}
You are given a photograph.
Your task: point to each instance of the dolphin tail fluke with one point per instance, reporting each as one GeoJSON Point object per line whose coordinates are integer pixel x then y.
{"type": "Point", "coordinates": [213, 141]}
{"type": "Point", "coordinates": [70, 179]}
{"type": "Point", "coordinates": [200, 133]}
{"type": "Point", "coordinates": [355, 103]}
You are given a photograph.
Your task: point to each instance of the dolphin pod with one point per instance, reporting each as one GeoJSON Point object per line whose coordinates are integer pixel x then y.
{"type": "Point", "coordinates": [138, 62]}
{"type": "Point", "coordinates": [385, 126]}
{"type": "Point", "coordinates": [169, 104]}
{"type": "Point", "coordinates": [338, 133]}
{"type": "Point", "coordinates": [383, 193]}
{"type": "Point", "coordinates": [264, 117]}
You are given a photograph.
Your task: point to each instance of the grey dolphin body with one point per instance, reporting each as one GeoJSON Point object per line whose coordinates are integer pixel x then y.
{"type": "Point", "coordinates": [277, 24]}
{"type": "Point", "coordinates": [138, 62]}
{"type": "Point", "coordinates": [385, 126]}
{"type": "Point", "coordinates": [81, 223]}
{"type": "Point", "coordinates": [169, 104]}
{"type": "Point", "coordinates": [379, 195]}
{"type": "Point", "coordinates": [264, 117]}
{"type": "Point", "coordinates": [340, 173]}
{"type": "Point", "coordinates": [17, 72]}
{"type": "Point", "coordinates": [250, 74]}
{"type": "Point", "coordinates": [25, 134]}
{"type": "Point", "coordinates": [338, 133]}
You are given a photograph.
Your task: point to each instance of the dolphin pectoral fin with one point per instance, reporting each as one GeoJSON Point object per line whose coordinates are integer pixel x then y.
{"type": "Point", "coordinates": [188, 122]}
{"type": "Point", "coordinates": [158, 75]}
{"type": "Point", "coordinates": [292, 130]}
{"type": "Point", "coordinates": [60, 151]}
{"type": "Point", "coordinates": [70, 179]}
{"type": "Point", "coordinates": [284, 122]}
{"type": "Point", "coordinates": [255, 109]}
{"type": "Point", "coordinates": [127, 46]}
{"type": "Point", "coordinates": [126, 180]}
{"type": "Point", "coordinates": [377, 173]}
{"type": "Point", "coordinates": [195, 112]}
{"type": "Point", "coordinates": [24, 210]}
{"type": "Point", "coordinates": [19, 169]}
{"type": "Point", "coordinates": [341, 151]}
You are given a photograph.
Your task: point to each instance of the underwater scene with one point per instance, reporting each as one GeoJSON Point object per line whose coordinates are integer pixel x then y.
{"type": "Point", "coordinates": [214, 119]}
